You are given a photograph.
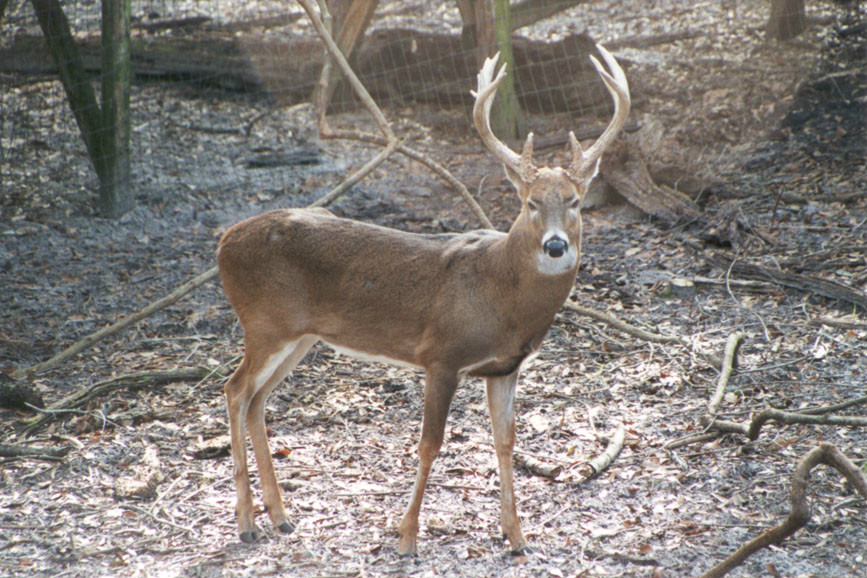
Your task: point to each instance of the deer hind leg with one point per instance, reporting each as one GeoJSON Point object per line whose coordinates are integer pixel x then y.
{"type": "Point", "coordinates": [246, 393]}
{"type": "Point", "coordinates": [438, 392]}
{"type": "Point", "coordinates": [501, 402]}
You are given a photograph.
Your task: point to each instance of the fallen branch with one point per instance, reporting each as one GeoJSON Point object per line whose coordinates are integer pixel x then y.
{"type": "Point", "coordinates": [805, 283]}
{"type": "Point", "coordinates": [816, 415]}
{"type": "Point", "coordinates": [838, 323]}
{"type": "Point", "coordinates": [836, 407]}
{"type": "Point", "coordinates": [729, 363]}
{"type": "Point", "coordinates": [35, 452]}
{"type": "Point", "coordinates": [97, 336]}
{"type": "Point", "coordinates": [790, 418]}
{"type": "Point", "coordinates": [538, 467]}
{"type": "Point", "coordinates": [593, 467]}
{"type": "Point", "coordinates": [826, 454]}
{"type": "Point", "coordinates": [634, 331]}
{"type": "Point", "coordinates": [134, 381]}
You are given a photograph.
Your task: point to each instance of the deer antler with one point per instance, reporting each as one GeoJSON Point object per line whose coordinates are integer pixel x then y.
{"type": "Point", "coordinates": [487, 87]}
{"type": "Point", "coordinates": [584, 164]}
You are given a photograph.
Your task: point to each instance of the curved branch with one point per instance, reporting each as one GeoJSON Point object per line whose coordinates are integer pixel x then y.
{"type": "Point", "coordinates": [825, 453]}
{"type": "Point", "coordinates": [789, 418]}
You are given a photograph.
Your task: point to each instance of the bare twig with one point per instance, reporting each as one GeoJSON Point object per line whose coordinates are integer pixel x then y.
{"type": "Point", "coordinates": [156, 518]}
{"type": "Point", "coordinates": [388, 138]}
{"type": "Point", "coordinates": [408, 152]}
{"type": "Point", "coordinates": [356, 176]}
{"type": "Point", "coordinates": [357, 86]}
{"type": "Point", "coordinates": [692, 439]}
{"type": "Point", "coordinates": [836, 407]}
{"type": "Point", "coordinates": [825, 453]}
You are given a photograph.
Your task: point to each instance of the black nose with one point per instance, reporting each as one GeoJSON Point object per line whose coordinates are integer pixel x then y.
{"type": "Point", "coordinates": [555, 247]}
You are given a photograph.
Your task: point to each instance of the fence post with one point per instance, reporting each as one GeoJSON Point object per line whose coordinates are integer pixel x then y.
{"type": "Point", "coordinates": [115, 193]}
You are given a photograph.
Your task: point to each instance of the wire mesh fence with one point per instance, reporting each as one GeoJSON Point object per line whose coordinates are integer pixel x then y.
{"type": "Point", "coordinates": [234, 73]}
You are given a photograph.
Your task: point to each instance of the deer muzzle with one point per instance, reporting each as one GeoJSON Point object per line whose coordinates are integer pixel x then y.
{"type": "Point", "coordinates": [555, 247]}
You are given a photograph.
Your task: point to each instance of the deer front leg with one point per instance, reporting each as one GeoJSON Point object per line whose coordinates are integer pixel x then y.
{"type": "Point", "coordinates": [501, 402]}
{"type": "Point", "coordinates": [438, 392]}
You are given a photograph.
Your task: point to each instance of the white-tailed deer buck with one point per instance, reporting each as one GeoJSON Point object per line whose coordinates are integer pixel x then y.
{"type": "Point", "coordinates": [470, 304]}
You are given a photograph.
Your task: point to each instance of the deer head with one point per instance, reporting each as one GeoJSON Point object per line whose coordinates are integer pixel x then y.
{"type": "Point", "coordinates": [551, 197]}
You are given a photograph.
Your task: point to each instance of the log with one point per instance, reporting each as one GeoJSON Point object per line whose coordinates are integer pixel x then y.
{"type": "Point", "coordinates": [808, 284]}
{"type": "Point", "coordinates": [625, 170]}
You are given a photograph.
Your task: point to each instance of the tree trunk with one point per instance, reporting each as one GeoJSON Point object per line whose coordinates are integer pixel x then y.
{"type": "Point", "coordinates": [350, 18]}
{"type": "Point", "coordinates": [787, 19]}
{"type": "Point", "coordinates": [507, 120]}
{"type": "Point", "coordinates": [488, 28]}
{"type": "Point", "coordinates": [115, 192]}
{"type": "Point", "coordinates": [73, 76]}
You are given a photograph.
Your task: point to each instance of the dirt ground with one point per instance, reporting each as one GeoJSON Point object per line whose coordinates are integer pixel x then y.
{"type": "Point", "coordinates": [774, 131]}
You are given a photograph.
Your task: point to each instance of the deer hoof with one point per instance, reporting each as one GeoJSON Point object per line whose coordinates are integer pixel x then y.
{"type": "Point", "coordinates": [248, 537]}
{"type": "Point", "coordinates": [286, 528]}
{"type": "Point", "coordinates": [524, 550]}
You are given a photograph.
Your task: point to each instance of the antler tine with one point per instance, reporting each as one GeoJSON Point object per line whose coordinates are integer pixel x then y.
{"type": "Point", "coordinates": [487, 88]}
{"type": "Point", "coordinates": [584, 163]}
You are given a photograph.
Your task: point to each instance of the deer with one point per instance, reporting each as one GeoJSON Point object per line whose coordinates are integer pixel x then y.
{"type": "Point", "coordinates": [454, 305]}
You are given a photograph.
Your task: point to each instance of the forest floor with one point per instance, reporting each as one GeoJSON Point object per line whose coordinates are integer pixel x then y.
{"type": "Point", "coordinates": [777, 134]}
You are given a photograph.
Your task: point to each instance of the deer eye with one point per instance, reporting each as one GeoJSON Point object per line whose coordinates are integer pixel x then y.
{"type": "Point", "coordinates": [532, 205]}
{"type": "Point", "coordinates": [575, 202]}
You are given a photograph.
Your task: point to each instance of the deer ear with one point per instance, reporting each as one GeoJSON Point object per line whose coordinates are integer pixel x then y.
{"type": "Point", "coordinates": [516, 180]}
{"type": "Point", "coordinates": [582, 186]}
